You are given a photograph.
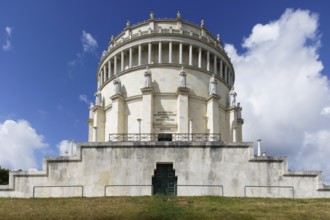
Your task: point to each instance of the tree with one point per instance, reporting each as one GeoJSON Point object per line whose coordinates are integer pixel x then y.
{"type": "Point", "coordinates": [4, 176]}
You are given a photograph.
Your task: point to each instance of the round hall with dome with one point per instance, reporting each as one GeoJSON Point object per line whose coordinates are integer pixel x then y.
{"type": "Point", "coordinates": [165, 77]}
{"type": "Point", "coordinates": [165, 122]}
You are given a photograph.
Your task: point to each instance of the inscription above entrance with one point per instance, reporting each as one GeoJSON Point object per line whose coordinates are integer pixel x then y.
{"type": "Point", "coordinates": [165, 116]}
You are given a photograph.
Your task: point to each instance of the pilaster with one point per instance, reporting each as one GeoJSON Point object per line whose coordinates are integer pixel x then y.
{"type": "Point", "coordinates": [117, 114]}
{"type": "Point", "coordinates": [98, 124]}
{"type": "Point", "coordinates": [213, 114]}
{"type": "Point", "coordinates": [147, 110]}
{"type": "Point", "coordinates": [233, 124]}
{"type": "Point", "coordinates": [182, 110]}
{"type": "Point", "coordinates": [90, 129]}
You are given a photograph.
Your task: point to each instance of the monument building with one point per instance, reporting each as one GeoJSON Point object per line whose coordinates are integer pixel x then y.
{"type": "Point", "coordinates": [165, 121]}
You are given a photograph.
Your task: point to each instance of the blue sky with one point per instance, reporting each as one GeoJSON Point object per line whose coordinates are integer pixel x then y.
{"type": "Point", "coordinates": [46, 75]}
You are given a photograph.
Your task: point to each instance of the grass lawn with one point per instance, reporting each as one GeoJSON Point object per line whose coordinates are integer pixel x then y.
{"type": "Point", "coordinates": [158, 207]}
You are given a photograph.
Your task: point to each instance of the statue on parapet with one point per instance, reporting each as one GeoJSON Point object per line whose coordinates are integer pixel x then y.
{"type": "Point", "coordinates": [182, 78]}
{"type": "Point", "coordinates": [232, 97]}
{"type": "Point", "coordinates": [117, 86]}
{"type": "Point", "coordinates": [178, 15]}
{"type": "Point", "coordinates": [152, 15]}
{"type": "Point", "coordinates": [147, 78]}
{"type": "Point", "coordinates": [202, 23]}
{"type": "Point", "coordinates": [213, 85]}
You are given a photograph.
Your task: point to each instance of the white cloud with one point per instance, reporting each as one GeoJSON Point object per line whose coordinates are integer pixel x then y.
{"type": "Point", "coordinates": [85, 99]}
{"type": "Point", "coordinates": [326, 111]}
{"type": "Point", "coordinates": [281, 87]}
{"type": "Point", "coordinates": [89, 45]}
{"type": "Point", "coordinates": [88, 42]}
{"type": "Point", "coordinates": [315, 151]}
{"type": "Point", "coordinates": [7, 46]}
{"type": "Point", "coordinates": [65, 147]}
{"type": "Point", "coordinates": [42, 112]}
{"type": "Point", "coordinates": [18, 141]}
{"type": "Point", "coordinates": [8, 31]}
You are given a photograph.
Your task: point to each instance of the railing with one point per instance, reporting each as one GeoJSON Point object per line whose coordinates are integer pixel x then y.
{"type": "Point", "coordinates": [70, 186]}
{"type": "Point", "coordinates": [270, 187]}
{"type": "Point", "coordinates": [181, 137]}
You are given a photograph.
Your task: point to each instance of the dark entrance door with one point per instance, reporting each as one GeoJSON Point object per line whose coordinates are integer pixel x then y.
{"type": "Point", "coordinates": [164, 137]}
{"type": "Point", "coordinates": [164, 180]}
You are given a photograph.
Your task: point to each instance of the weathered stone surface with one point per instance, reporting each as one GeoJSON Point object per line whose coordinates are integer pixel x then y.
{"type": "Point", "coordinates": [201, 168]}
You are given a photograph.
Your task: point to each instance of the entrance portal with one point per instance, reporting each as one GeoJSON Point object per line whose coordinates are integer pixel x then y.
{"type": "Point", "coordinates": [164, 180]}
{"type": "Point", "coordinates": [164, 137]}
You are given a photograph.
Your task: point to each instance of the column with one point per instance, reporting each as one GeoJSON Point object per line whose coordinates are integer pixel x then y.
{"type": "Point", "coordinates": [190, 55]}
{"type": "Point", "coordinates": [115, 65]}
{"type": "Point", "coordinates": [240, 122]}
{"type": "Point", "coordinates": [109, 69]}
{"type": "Point", "coordinates": [220, 67]}
{"type": "Point", "coordinates": [170, 52]}
{"type": "Point", "coordinates": [190, 129]}
{"type": "Point", "coordinates": [199, 57]}
{"type": "Point", "coordinates": [98, 81]}
{"type": "Point", "coordinates": [149, 53]}
{"type": "Point", "coordinates": [105, 73]}
{"type": "Point", "coordinates": [226, 73]}
{"type": "Point", "coordinates": [122, 61]}
{"type": "Point", "coordinates": [130, 57]}
{"type": "Point", "coordinates": [208, 60]}
{"type": "Point", "coordinates": [180, 53]}
{"type": "Point", "coordinates": [160, 52]}
{"type": "Point", "coordinates": [139, 55]}
{"type": "Point", "coordinates": [215, 64]}
{"type": "Point", "coordinates": [182, 110]}
{"type": "Point", "coordinates": [139, 129]}
{"type": "Point", "coordinates": [259, 148]}
{"type": "Point", "coordinates": [229, 77]}
{"type": "Point", "coordinates": [101, 73]}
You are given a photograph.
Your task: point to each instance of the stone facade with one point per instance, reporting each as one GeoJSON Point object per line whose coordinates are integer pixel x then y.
{"type": "Point", "coordinates": [165, 121]}
{"type": "Point", "coordinates": [164, 48]}
{"type": "Point", "coordinates": [201, 168]}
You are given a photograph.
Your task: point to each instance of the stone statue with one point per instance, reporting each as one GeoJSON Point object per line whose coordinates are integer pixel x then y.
{"type": "Point", "coordinates": [232, 97]}
{"type": "Point", "coordinates": [103, 53]}
{"type": "Point", "coordinates": [213, 85]}
{"type": "Point", "coordinates": [178, 15]}
{"type": "Point", "coordinates": [152, 15]}
{"type": "Point", "coordinates": [128, 23]}
{"type": "Point", "coordinates": [147, 78]}
{"type": "Point", "coordinates": [117, 84]}
{"type": "Point", "coordinates": [202, 23]}
{"type": "Point", "coordinates": [97, 98]}
{"type": "Point", "coordinates": [218, 38]}
{"type": "Point", "coordinates": [182, 78]}
{"type": "Point", "coordinates": [112, 38]}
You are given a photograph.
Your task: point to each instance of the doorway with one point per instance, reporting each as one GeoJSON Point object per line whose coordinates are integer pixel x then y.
{"type": "Point", "coordinates": [164, 137]}
{"type": "Point", "coordinates": [164, 181]}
